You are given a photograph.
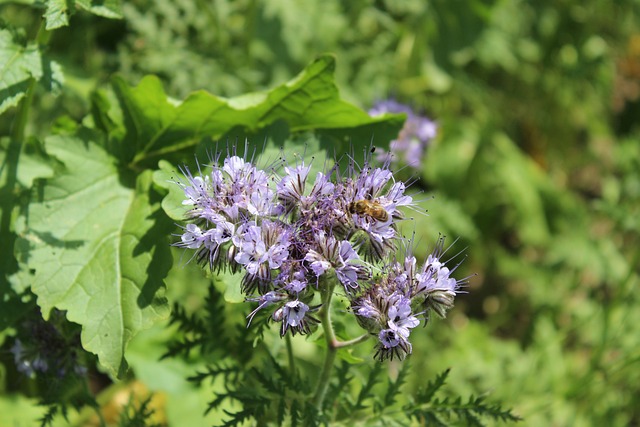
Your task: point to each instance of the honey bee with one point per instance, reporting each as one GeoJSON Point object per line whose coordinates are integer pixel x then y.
{"type": "Point", "coordinates": [370, 208]}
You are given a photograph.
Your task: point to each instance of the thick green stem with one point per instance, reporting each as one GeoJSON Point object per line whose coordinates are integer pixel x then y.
{"type": "Point", "coordinates": [292, 366]}
{"type": "Point", "coordinates": [330, 337]}
{"type": "Point", "coordinates": [333, 344]}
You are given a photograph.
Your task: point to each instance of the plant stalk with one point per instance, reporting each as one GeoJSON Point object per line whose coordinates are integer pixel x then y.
{"type": "Point", "coordinates": [325, 318]}
{"type": "Point", "coordinates": [290, 353]}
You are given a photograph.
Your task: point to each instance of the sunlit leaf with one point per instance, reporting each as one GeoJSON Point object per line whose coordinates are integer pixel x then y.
{"type": "Point", "coordinates": [107, 8]}
{"type": "Point", "coordinates": [98, 248]}
{"type": "Point", "coordinates": [57, 14]}
{"type": "Point", "coordinates": [311, 101]}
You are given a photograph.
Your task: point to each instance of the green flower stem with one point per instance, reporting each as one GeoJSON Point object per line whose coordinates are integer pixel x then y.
{"type": "Point", "coordinates": [290, 352]}
{"type": "Point", "coordinates": [330, 337]}
{"type": "Point", "coordinates": [333, 344]}
{"type": "Point", "coordinates": [343, 344]}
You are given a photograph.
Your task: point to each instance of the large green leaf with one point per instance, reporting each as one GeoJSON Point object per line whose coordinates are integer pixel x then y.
{"type": "Point", "coordinates": [18, 65]}
{"type": "Point", "coordinates": [311, 101]}
{"type": "Point", "coordinates": [99, 248]}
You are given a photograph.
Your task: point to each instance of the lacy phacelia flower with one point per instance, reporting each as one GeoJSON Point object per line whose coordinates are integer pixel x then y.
{"type": "Point", "coordinates": [296, 317]}
{"type": "Point", "coordinates": [291, 237]}
{"type": "Point", "coordinates": [394, 305]}
{"type": "Point", "coordinates": [372, 200]}
{"type": "Point", "coordinates": [329, 253]}
{"type": "Point", "coordinates": [261, 249]}
{"type": "Point", "coordinates": [414, 138]}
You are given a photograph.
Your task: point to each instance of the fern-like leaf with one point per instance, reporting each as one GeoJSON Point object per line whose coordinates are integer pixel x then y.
{"type": "Point", "coordinates": [238, 418]}
{"type": "Point", "coordinates": [229, 373]}
{"type": "Point", "coordinates": [137, 416]}
{"type": "Point", "coordinates": [433, 387]}
{"type": "Point", "coordinates": [337, 390]}
{"type": "Point", "coordinates": [206, 332]}
{"type": "Point", "coordinates": [431, 410]}
{"type": "Point", "coordinates": [47, 419]}
{"type": "Point", "coordinates": [393, 389]}
{"type": "Point", "coordinates": [367, 388]}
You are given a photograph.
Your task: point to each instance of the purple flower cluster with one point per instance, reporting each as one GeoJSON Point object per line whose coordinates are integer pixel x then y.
{"type": "Point", "coordinates": [414, 138]}
{"type": "Point", "coordinates": [403, 296]}
{"type": "Point", "coordinates": [292, 238]}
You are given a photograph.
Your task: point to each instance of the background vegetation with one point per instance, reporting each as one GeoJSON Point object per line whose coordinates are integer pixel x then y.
{"type": "Point", "coordinates": [536, 172]}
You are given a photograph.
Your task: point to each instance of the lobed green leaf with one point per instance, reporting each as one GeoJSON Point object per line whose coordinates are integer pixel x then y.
{"type": "Point", "coordinates": [156, 126]}
{"type": "Point", "coordinates": [94, 244]}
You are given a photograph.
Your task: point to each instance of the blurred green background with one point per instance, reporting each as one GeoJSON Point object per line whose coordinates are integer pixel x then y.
{"type": "Point", "coordinates": [536, 168]}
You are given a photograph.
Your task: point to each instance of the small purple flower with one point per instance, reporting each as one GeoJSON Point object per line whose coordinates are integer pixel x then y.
{"type": "Point", "coordinates": [196, 192]}
{"type": "Point", "coordinates": [295, 316]}
{"type": "Point", "coordinates": [252, 250]}
{"type": "Point", "coordinates": [401, 318]}
{"type": "Point", "coordinates": [322, 187]}
{"type": "Point", "coordinates": [265, 301]}
{"type": "Point", "coordinates": [223, 232]}
{"type": "Point", "coordinates": [291, 186]}
{"type": "Point", "coordinates": [348, 271]}
{"type": "Point", "coordinates": [297, 285]}
{"type": "Point", "coordinates": [294, 312]}
{"type": "Point", "coordinates": [262, 247]}
{"type": "Point", "coordinates": [391, 344]}
{"type": "Point", "coordinates": [339, 255]}
{"type": "Point", "coordinates": [192, 238]}
{"type": "Point", "coordinates": [389, 338]}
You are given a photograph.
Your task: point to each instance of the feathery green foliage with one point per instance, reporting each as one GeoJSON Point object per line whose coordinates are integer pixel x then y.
{"type": "Point", "coordinates": [535, 172]}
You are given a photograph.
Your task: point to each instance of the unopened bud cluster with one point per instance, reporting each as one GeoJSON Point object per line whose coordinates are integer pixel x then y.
{"type": "Point", "coordinates": [291, 234]}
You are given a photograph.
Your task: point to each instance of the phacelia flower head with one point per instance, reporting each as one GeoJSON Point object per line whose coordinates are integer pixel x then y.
{"type": "Point", "coordinates": [329, 253]}
{"type": "Point", "coordinates": [414, 138]}
{"type": "Point", "coordinates": [292, 235]}
{"type": "Point", "coordinates": [370, 205]}
{"type": "Point", "coordinates": [402, 297]}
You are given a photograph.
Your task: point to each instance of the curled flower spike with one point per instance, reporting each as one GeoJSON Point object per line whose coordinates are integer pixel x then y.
{"type": "Point", "coordinates": [392, 306]}
{"type": "Point", "coordinates": [372, 200]}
